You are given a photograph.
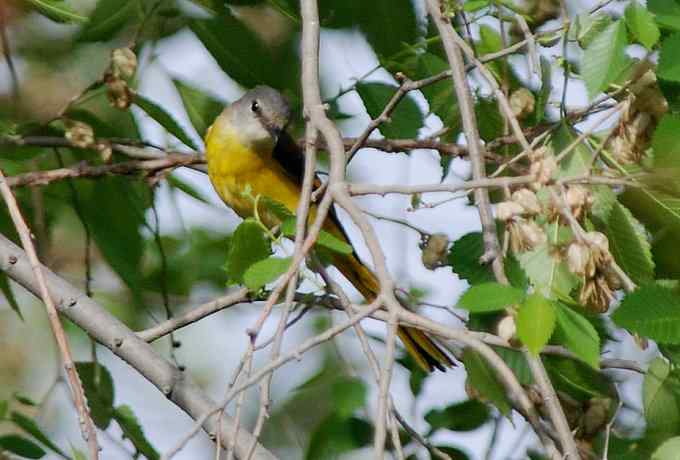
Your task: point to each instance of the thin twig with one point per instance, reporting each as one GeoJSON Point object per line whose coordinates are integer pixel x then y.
{"type": "Point", "coordinates": [86, 425]}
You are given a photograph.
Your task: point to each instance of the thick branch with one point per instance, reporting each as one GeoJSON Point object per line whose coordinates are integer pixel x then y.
{"type": "Point", "coordinates": [110, 332]}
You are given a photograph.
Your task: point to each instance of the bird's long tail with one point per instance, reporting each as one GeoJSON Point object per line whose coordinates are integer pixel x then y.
{"type": "Point", "coordinates": [422, 348]}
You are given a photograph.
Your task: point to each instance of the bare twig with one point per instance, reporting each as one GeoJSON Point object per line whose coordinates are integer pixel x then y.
{"type": "Point", "coordinates": [87, 426]}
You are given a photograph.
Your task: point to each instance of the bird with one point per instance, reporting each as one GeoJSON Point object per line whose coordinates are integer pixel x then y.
{"type": "Point", "coordinates": [250, 153]}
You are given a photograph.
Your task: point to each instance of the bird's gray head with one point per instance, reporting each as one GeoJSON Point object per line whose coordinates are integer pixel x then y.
{"type": "Point", "coordinates": [260, 115]}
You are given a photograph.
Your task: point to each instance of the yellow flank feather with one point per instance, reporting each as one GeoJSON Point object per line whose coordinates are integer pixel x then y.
{"type": "Point", "coordinates": [235, 166]}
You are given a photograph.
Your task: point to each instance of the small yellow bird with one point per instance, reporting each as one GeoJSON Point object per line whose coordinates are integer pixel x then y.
{"type": "Point", "coordinates": [247, 148]}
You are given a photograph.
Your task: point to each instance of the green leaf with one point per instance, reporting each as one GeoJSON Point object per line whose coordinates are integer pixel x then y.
{"type": "Point", "coordinates": [465, 416]}
{"type": "Point", "coordinates": [517, 362]}
{"type": "Point", "coordinates": [489, 119]}
{"type": "Point", "coordinates": [482, 377]}
{"type": "Point", "coordinates": [604, 59]}
{"type": "Point", "coordinates": [57, 10]}
{"type": "Point", "coordinates": [23, 399]}
{"type": "Point", "coordinates": [665, 142]}
{"type": "Point", "coordinates": [666, 13]}
{"type": "Point", "coordinates": [119, 240]}
{"type": "Point", "coordinates": [325, 239]}
{"type": "Point", "coordinates": [98, 386]}
{"type": "Point", "coordinates": [547, 272]}
{"type": "Point", "coordinates": [578, 379]}
{"type": "Point", "coordinates": [133, 431]}
{"type": "Point", "coordinates": [464, 259]}
{"type": "Point", "coordinates": [176, 182]}
{"type": "Point", "coordinates": [543, 96]}
{"type": "Point", "coordinates": [405, 120]}
{"type": "Point", "coordinates": [265, 271]}
{"type": "Point", "coordinates": [641, 24]}
{"type": "Point", "coordinates": [201, 108]}
{"type": "Point", "coordinates": [629, 245]}
{"type": "Point", "coordinates": [535, 322]}
{"type": "Point", "coordinates": [588, 26]}
{"type": "Point", "coordinates": [108, 17]}
{"type": "Point", "coordinates": [77, 454]}
{"type": "Point", "coordinates": [163, 118]}
{"type": "Point", "coordinates": [349, 395]}
{"type": "Point", "coordinates": [669, 65]}
{"type": "Point", "coordinates": [4, 407]}
{"type": "Point", "coordinates": [9, 295]}
{"type": "Point", "coordinates": [248, 245]}
{"type": "Point", "coordinates": [651, 311]}
{"type": "Point", "coordinates": [32, 428]}
{"type": "Point", "coordinates": [335, 436]}
{"type": "Point", "coordinates": [490, 41]}
{"type": "Point", "coordinates": [388, 24]}
{"type": "Point", "coordinates": [237, 50]}
{"type": "Point", "coordinates": [578, 161]}
{"type": "Point", "coordinates": [21, 446]}
{"type": "Point", "coordinates": [660, 398]}
{"type": "Point", "coordinates": [669, 450]}
{"type": "Point", "coordinates": [490, 297]}
{"type": "Point", "coordinates": [577, 334]}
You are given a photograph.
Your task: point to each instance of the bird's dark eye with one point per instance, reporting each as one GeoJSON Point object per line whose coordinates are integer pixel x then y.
{"type": "Point", "coordinates": [254, 106]}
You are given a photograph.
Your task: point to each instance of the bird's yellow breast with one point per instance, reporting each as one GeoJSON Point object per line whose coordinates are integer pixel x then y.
{"type": "Point", "coordinates": [235, 168]}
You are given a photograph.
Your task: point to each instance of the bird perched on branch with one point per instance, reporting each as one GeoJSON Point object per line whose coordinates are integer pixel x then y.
{"type": "Point", "coordinates": [249, 153]}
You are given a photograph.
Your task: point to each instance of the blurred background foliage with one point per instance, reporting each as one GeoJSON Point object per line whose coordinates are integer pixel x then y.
{"type": "Point", "coordinates": [106, 236]}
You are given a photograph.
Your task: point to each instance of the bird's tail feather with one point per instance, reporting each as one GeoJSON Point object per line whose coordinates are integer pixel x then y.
{"type": "Point", "coordinates": [422, 348]}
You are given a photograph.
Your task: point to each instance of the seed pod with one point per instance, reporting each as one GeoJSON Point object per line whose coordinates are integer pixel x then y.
{"type": "Point", "coordinates": [507, 328]}
{"type": "Point", "coordinates": [599, 245]}
{"type": "Point", "coordinates": [579, 260]}
{"type": "Point", "coordinates": [118, 93]}
{"type": "Point", "coordinates": [123, 63]}
{"type": "Point", "coordinates": [105, 151]}
{"type": "Point", "coordinates": [80, 134]}
{"type": "Point", "coordinates": [522, 103]}
{"type": "Point", "coordinates": [538, 154]}
{"type": "Point", "coordinates": [507, 210]}
{"type": "Point", "coordinates": [532, 234]}
{"type": "Point", "coordinates": [528, 200]}
{"type": "Point", "coordinates": [434, 250]}
{"type": "Point", "coordinates": [543, 170]}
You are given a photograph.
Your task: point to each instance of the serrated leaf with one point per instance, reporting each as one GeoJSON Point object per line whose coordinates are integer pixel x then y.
{"type": "Point", "coordinates": [163, 118]}
{"type": "Point", "coordinates": [535, 322]}
{"type": "Point", "coordinates": [108, 17]}
{"type": "Point", "coordinates": [604, 58]}
{"type": "Point", "coordinates": [579, 336]}
{"type": "Point", "coordinates": [588, 26]}
{"type": "Point", "coordinates": [483, 378]}
{"type": "Point", "coordinates": [388, 24]}
{"type": "Point", "coordinates": [133, 431]}
{"type": "Point", "coordinates": [547, 272]}
{"type": "Point", "coordinates": [349, 395]}
{"type": "Point", "coordinates": [201, 108]}
{"type": "Point", "coordinates": [248, 245]}
{"type": "Point", "coordinates": [603, 202]}
{"type": "Point", "coordinates": [405, 120]}
{"type": "Point", "coordinates": [32, 428]}
{"type": "Point", "coordinates": [265, 271]}
{"type": "Point", "coordinates": [465, 416]}
{"type": "Point", "coordinates": [651, 311]}
{"type": "Point", "coordinates": [578, 161]}
{"type": "Point", "coordinates": [641, 24]}
{"type": "Point", "coordinates": [490, 41]}
{"type": "Point", "coordinates": [660, 399]}
{"type": "Point", "coordinates": [516, 361]}
{"type": "Point", "coordinates": [665, 142]}
{"type": "Point", "coordinates": [490, 297]}
{"type": "Point", "coordinates": [57, 10]}
{"type": "Point", "coordinates": [668, 450]}
{"type": "Point", "coordinates": [21, 446]}
{"type": "Point", "coordinates": [335, 436]}
{"type": "Point", "coordinates": [98, 386]}
{"type": "Point", "coordinates": [629, 245]}
{"type": "Point", "coordinates": [9, 295]}
{"type": "Point", "coordinates": [464, 259]}
{"type": "Point", "coordinates": [669, 65]}
{"type": "Point", "coordinates": [666, 13]}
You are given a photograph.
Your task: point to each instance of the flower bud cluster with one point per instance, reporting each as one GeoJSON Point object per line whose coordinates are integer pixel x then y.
{"type": "Point", "coordinates": [123, 66]}
{"type": "Point", "coordinates": [518, 213]}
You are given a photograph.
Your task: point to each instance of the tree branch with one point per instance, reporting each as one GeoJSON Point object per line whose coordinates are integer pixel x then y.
{"type": "Point", "coordinates": [114, 335]}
